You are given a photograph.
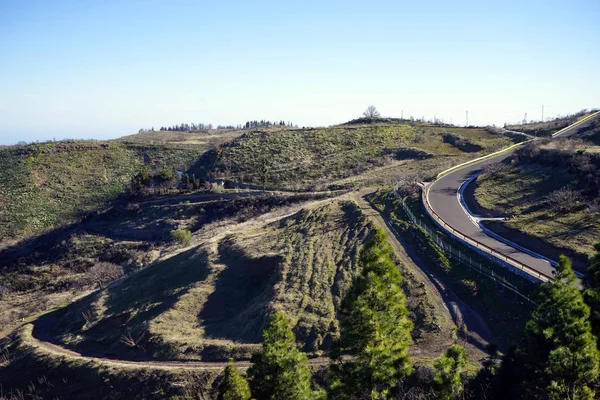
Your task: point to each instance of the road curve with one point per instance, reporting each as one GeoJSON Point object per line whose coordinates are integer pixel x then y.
{"type": "Point", "coordinates": [442, 196]}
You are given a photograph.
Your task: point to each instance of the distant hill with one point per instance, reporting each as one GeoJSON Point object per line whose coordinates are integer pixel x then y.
{"type": "Point", "coordinates": [547, 128]}
{"type": "Point", "coordinates": [319, 158]}
{"type": "Point", "coordinates": [48, 184]}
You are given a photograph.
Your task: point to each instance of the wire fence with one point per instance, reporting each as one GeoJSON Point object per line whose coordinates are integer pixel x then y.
{"type": "Point", "coordinates": [463, 257]}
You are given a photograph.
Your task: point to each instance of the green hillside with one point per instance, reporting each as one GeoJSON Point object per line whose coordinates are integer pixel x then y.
{"type": "Point", "coordinates": [210, 302]}
{"type": "Point", "coordinates": [45, 185]}
{"type": "Point", "coordinates": [317, 158]}
{"type": "Point", "coordinates": [549, 191]}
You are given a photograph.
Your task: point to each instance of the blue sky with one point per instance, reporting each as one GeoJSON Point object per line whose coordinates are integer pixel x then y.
{"type": "Point", "coordinates": [104, 69]}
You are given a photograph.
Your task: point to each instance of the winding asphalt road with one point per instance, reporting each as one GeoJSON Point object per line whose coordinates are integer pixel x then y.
{"type": "Point", "coordinates": [444, 200]}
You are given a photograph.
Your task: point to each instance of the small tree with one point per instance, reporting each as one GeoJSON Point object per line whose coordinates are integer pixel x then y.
{"type": "Point", "coordinates": [233, 386]}
{"type": "Point", "coordinates": [182, 236]}
{"type": "Point", "coordinates": [564, 199]}
{"type": "Point", "coordinates": [375, 328]}
{"type": "Point", "coordinates": [448, 369]}
{"type": "Point", "coordinates": [592, 290]}
{"type": "Point", "coordinates": [103, 273]}
{"type": "Point", "coordinates": [279, 370]}
{"type": "Point", "coordinates": [559, 351]}
{"type": "Point", "coordinates": [371, 113]}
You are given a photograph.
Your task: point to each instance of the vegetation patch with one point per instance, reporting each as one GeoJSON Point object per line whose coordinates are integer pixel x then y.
{"type": "Point", "coordinates": [548, 191]}
{"type": "Point", "coordinates": [315, 158]}
{"type": "Point", "coordinates": [43, 186]}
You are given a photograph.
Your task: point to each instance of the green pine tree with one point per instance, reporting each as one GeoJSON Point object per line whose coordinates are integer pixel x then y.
{"type": "Point", "coordinates": [592, 290]}
{"type": "Point", "coordinates": [559, 351]}
{"type": "Point", "coordinates": [375, 328]}
{"type": "Point", "coordinates": [280, 371]}
{"type": "Point", "coordinates": [448, 369]}
{"type": "Point", "coordinates": [233, 386]}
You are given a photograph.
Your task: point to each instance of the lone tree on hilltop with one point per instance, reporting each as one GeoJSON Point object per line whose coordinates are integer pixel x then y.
{"type": "Point", "coordinates": [371, 112]}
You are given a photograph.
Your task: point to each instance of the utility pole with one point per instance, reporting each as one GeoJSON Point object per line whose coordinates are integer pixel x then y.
{"type": "Point", "coordinates": [542, 113]}
{"type": "Point", "coordinates": [467, 118]}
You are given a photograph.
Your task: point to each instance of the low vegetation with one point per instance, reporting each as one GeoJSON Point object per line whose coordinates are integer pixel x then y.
{"type": "Point", "coordinates": [547, 128]}
{"type": "Point", "coordinates": [318, 158]}
{"type": "Point", "coordinates": [43, 186]}
{"type": "Point", "coordinates": [60, 265]}
{"type": "Point", "coordinates": [549, 191]}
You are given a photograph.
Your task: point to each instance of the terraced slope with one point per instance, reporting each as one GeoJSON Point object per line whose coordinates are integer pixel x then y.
{"type": "Point", "coordinates": [210, 302]}
{"type": "Point", "coordinates": [302, 158]}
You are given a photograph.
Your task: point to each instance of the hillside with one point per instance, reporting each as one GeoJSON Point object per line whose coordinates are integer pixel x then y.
{"type": "Point", "coordinates": [547, 128]}
{"type": "Point", "coordinates": [323, 157]}
{"type": "Point", "coordinates": [210, 302]}
{"type": "Point", "coordinates": [209, 139]}
{"type": "Point", "coordinates": [45, 185]}
{"type": "Point", "coordinates": [58, 266]}
{"type": "Point", "coordinates": [549, 191]}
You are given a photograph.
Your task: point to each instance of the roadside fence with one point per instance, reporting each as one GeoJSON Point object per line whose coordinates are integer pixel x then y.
{"type": "Point", "coordinates": [455, 253]}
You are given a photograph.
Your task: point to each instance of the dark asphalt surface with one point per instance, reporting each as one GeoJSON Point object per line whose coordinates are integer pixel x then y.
{"type": "Point", "coordinates": [444, 201]}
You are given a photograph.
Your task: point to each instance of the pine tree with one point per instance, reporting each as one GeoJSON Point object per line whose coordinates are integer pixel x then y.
{"type": "Point", "coordinates": [374, 328]}
{"type": "Point", "coordinates": [279, 371]}
{"type": "Point", "coordinates": [233, 386]}
{"type": "Point", "coordinates": [448, 369]}
{"type": "Point", "coordinates": [592, 290]}
{"type": "Point", "coordinates": [559, 352]}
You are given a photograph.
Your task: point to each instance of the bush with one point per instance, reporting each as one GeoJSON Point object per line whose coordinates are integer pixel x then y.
{"type": "Point", "coordinates": [104, 272]}
{"type": "Point", "coordinates": [495, 169]}
{"type": "Point", "coordinates": [182, 236]}
{"type": "Point", "coordinates": [564, 199]}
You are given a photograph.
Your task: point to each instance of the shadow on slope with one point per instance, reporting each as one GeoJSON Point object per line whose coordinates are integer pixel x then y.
{"type": "Point", "coordinates": [237, 309]}
{"type": "Point", "coordinates": [114, 321]}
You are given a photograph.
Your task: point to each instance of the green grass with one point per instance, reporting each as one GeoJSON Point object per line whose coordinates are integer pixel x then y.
{"type": "Point", "coordinates": [46, 185]}
{"type": "Point", "coordinates": [520, 193]}
{"type": "Point", "coordinates": [302, 158]}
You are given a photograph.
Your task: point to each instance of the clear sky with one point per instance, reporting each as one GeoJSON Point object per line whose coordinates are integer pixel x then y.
{"type": "Point", "coordinates": [104, 69]}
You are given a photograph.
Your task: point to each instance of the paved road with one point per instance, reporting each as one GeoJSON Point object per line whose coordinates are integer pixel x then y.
{"type": "Point", "coordinates": [444, 201]}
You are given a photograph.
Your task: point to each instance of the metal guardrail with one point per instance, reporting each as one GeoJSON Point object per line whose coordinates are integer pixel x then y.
{"type": "Point", "coordinates": [456, 253]}
{"type": "Point", "coordinates": [478, 245]}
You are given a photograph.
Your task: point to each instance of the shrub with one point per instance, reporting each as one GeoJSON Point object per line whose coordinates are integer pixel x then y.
{"type": "Point", "coordinates": [182, 237]}
{"type": "Point", "coordinates": [564, 199]}
{"type": "Point", "coordinates": [233, 386]}
{"type": "Point", "coordinates": [104, 272]}
{"type": "Point", "coordinates": [495, 169]}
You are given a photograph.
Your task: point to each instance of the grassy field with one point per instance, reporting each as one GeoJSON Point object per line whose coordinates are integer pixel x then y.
{"type": "Point", "coordinates": [520, 192]}
{"type": "Point", "coordinates": [318, 158]}
{"type": "Point", "coordinates": [210, 302]}
{"type": "Point", "coordinates": [45, 185]}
